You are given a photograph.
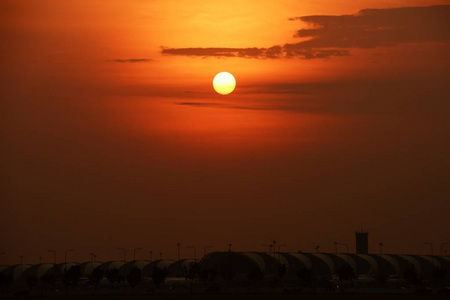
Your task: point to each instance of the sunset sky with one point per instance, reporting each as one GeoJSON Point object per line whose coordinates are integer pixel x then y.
{"type": "Point", "coordinates": [113, 136]}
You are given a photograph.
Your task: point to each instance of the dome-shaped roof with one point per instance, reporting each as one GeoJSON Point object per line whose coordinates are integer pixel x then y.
{"type": "Point", "coordinates": [147, 271]}
{"type": "Point", "coordinates": [35, 271]}
{"type": "Point", "coordinates": [179, 267]}
{"type": "Point", "coordinates": [126, 268]}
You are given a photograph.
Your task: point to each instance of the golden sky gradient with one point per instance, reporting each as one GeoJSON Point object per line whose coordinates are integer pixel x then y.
{"type": "Point", "coordinates": [113, 136]}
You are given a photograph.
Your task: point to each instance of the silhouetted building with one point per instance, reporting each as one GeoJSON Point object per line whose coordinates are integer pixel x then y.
{"type": "Point", "coordinates": [362, 242]}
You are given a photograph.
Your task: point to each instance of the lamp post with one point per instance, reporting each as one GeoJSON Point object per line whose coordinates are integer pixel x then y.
{"type": "Point", "coordinates": [381, 248]}
{"type": "Point", "coordinates": [178, 249]}
{"type": "Point", "coordinates": [192, 247]}
{"type": "Point", "coordinates": [54, 253]}
{"type": "Point", "coordinates": [134, 252]}
{"type": "Point", "coordinates": [274, 246]}
{"type": "Point", "coordinates": [151, 255]}
{"type": "Point", "coordinates": [124, 254]}
{"type": "Point", "coordinates": [65, 257]}
{"type": "Point", "coordinates": [342, 244]}
{"type": "Point", "coordinates": [229, 247]}
{"type": "Point", "coordinates": [442, 246]}
{"type": "Point", "coordinates": [40, 259]}
{"type": "Point", "coordinates": [431, 246]}
{"type": "Point", "coordinates": [269, 246]}
{"type": "Point", "coordinates": [206, 248]}
{"type": "Point", "coordinates": [160, 255]}
{"type": "Point", "coordinates": [21, 263]}
{"type": "Point", "coordinates": [317, 248]}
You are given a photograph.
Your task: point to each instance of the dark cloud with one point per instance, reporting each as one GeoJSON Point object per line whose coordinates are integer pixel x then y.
{"type": "Point", "coordinates": [131, 60]}
{"type": "Point", "coordinates": [377, 28]}
{"type": "Point", "coordinates": [335, 35]}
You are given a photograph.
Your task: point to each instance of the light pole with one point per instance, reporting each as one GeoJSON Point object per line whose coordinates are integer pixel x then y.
{"type": "Point", "coordinates": [206, 248]}
{"type": "Point", "coordinates": [192, 247]}
{"type": "Point", "coordinates": [274, 246]}
{"type": "Point", "coordinates": [21, 263]}
{"type": "Point", "coordinates": [442, 246]}
{"type": "Point", "coordinates": [381, 248]}
{"type": "Point", "coordinates": [54, 253]}
{"type": "Point", "coordinates": [342, 244]}
{"type": "Point", "coordinates": [40, 259]}
{"type": "Point", "coordinates": [160, 255]}
{"type": "Point", "coordinates": [124, 254]}
{"type": "Point", "coordinates": [269, 246]}
{"type": "Point", "coordinates": [178, 248]}
{"type": "Point", "coordinates": [317, 248]}
{"type": "Point", "coordinates": [229, 247]}
{"type": "Point", "coordinates": [65, 257]}
{"type": "Point", "coordinates": [134, 252]}
{"type": "Point", "coordinates": [151, 255]}
{"type": "Point", "coordinates": [431, 246]}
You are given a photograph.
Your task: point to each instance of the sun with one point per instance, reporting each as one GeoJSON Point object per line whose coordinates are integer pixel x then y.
{"type": "Point", "coordinates": [224, 83]}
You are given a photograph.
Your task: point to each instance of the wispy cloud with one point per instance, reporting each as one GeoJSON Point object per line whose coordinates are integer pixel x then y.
{"type": "Point", "coordinates": [131, 60]}
{"type": "Point", "coordinates": [336, 35]}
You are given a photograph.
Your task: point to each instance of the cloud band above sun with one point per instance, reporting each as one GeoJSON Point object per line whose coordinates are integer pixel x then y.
{"type": "Point", "coordinates": [330, 35]}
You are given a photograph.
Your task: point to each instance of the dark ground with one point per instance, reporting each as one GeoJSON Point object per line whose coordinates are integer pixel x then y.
{"type": "Point", "coordinates": [247, 297]}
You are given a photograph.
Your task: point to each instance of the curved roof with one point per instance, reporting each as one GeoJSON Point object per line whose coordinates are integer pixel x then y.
{"type": "Point", "coordinates": [111, 265]}
{"type": "Point", "coordinates": [340, 260]}
{"type": "Point", "coordinates": [430, 260]}
{"type": "Point", "coordinates": [241, 263]}
{"type": "Point", "coordinates": [176, 269]}
{"type": "Point", "coordinates": [15, 271]}
{"type": "Point", "coordinates": [88, 267]}
{"type": "Point", "coordinates": [147, 271]}
{"type": "Point", "coordinates": [392, 262]}
{"type": "Point", "coordinates": [303, 259]}
{"type": "Point", "coordinates": [257, 259]}
{"type": "Point", "coordinates": [325, 261]}
{"type": "Point", "coordinates": [126, 268]}
{"type": "Point", "coordinates": [407, 260]}
{"type": "Point", "coordinates": [36, 271]}
{"type": "Point", "coordinates": [367, 265]}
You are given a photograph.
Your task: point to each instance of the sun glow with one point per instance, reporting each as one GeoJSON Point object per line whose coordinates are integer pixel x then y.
{"type": "Point", "coordinates": [224, 83]}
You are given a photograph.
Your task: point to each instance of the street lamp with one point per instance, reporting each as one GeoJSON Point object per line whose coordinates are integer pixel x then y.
{"type": "Point", "coordinates": [431, 246]}
{"type": "Point", "coordinates": [134, 252]}
{"type": "Point", "coordinates": [229, 247]}
{"type": "Point", "coordinates": [381, 248]}
{"type": "Point", "coordinates": [54, 253]}
{"type": "Point", "coordinates": [178, 249]}
{"type": "Point", "coordinates": [124, 254]}
{"type": "Point", "coordinates": [151, 255]}
{"type": "Point", "coordinates": [274, 247]}
{"type": "Point", "coordinates": [206, 248]}
{"type": "Point", "coordinates": [342, 244]}
{"type": "Point", "coordinates": [65, 257]}
{"type": "Point", "coordinates": [442, 246]}
{"type": "Point", "coordinates": [269, 246]}
{"type": "Point", "coordinates": [192, 247]}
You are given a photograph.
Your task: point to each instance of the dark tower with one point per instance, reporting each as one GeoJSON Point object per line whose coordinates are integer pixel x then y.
{"type": "Point", "coordinates": [362, 242]}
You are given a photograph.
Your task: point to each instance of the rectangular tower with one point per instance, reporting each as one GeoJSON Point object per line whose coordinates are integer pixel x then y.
{"type": "Point", "coordinates": [362, 242]}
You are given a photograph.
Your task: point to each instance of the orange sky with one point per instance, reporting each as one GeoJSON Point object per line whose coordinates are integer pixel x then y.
{"type": "Point", "coordinates": [112, 135]}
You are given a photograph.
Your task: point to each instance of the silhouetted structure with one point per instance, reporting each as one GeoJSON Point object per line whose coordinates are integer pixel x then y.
{"type": "Point", "coordinates": [362, 242]}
